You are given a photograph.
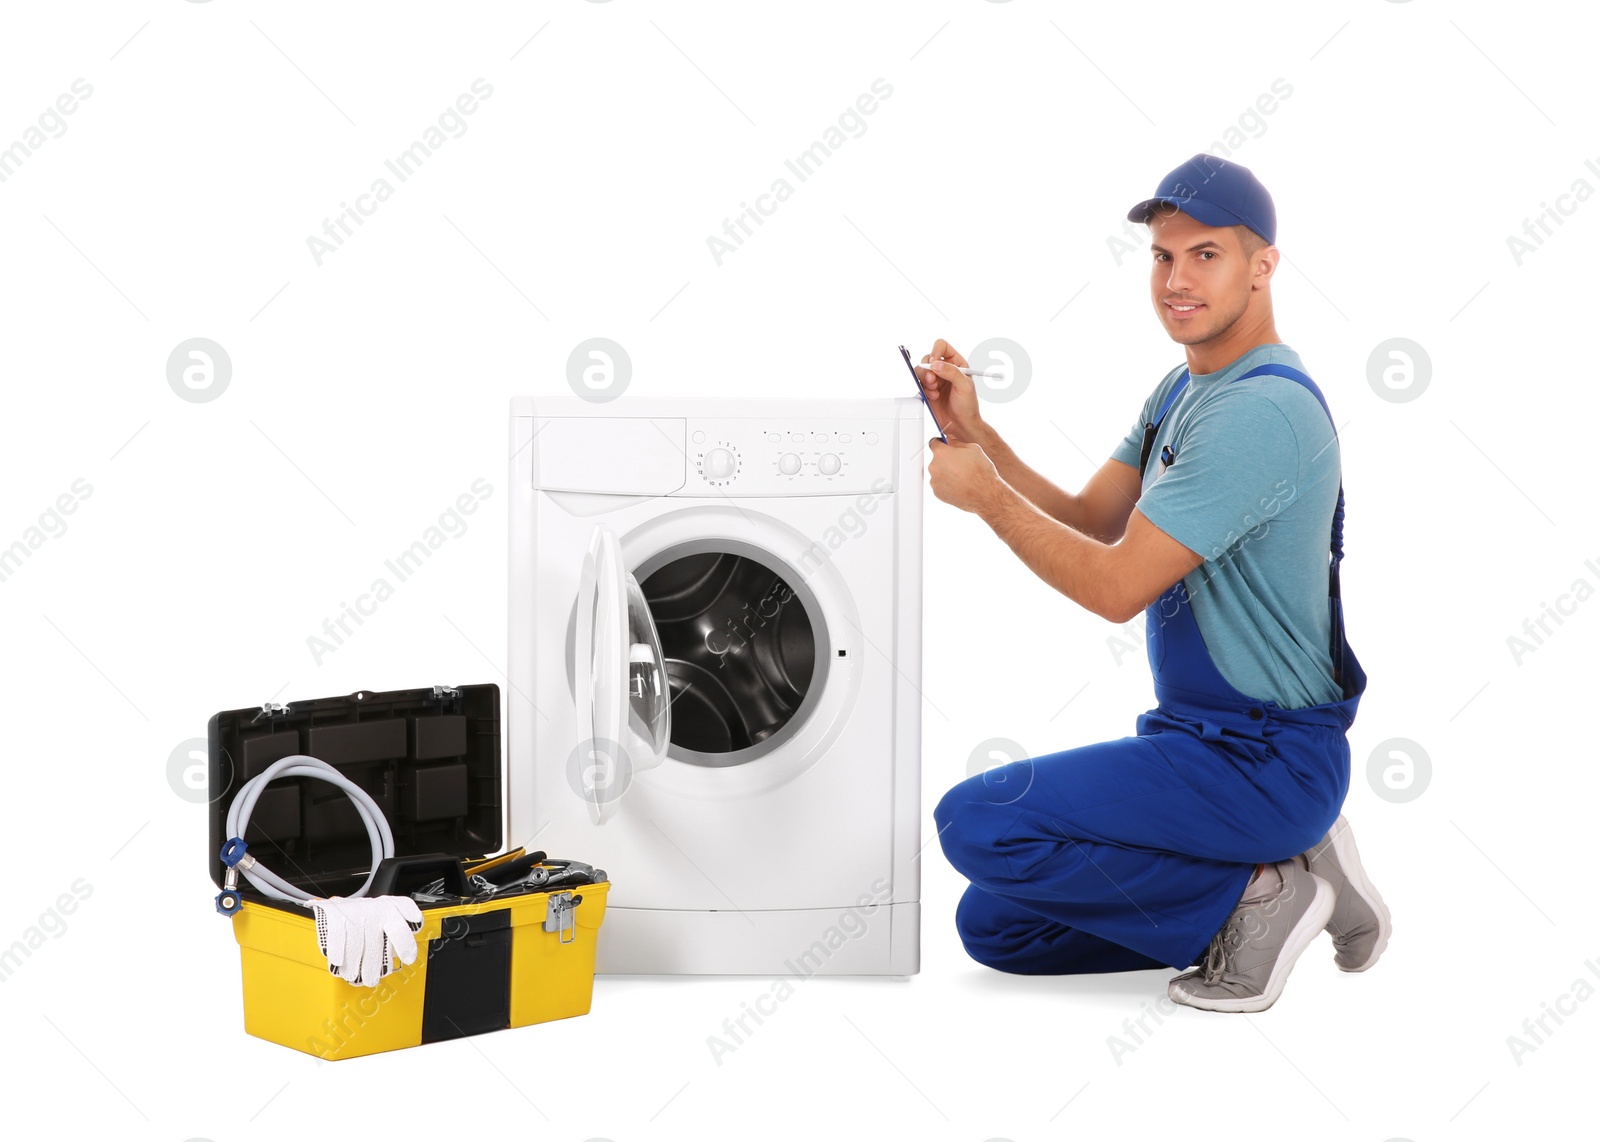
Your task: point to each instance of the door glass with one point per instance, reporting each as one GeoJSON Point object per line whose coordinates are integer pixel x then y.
{"type": "Point", "coordinates": [619, 680]}
{"type": "Point", "coordinates": [742, 653]}
{"type": "Point", "coordinates": [649, 704]}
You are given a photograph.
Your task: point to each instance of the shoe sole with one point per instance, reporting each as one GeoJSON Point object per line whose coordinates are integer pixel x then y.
{"type": "Point", "coordinates": [1344, 849]}
{"type": "Point", "coordinates": [1300, 938]}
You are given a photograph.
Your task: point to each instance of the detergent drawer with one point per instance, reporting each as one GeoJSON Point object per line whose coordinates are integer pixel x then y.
{"type": "Point", "coordinates": [624, 456]}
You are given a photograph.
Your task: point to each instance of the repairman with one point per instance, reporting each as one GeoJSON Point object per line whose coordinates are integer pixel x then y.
{"type": "Point", "coordinates": [1212, 840]}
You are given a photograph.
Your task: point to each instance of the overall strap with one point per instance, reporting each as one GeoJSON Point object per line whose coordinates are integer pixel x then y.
{"type": "Point", "coordinates": [1336, 534]}
{"type": "Point", "coordinates": [1172, 397]}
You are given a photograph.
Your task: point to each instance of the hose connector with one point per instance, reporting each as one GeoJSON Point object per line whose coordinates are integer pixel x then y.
{"type": "Point", "coordinates": [234, 857]}
{"type": "Point", "coordinates": [233, 851]}
{"type": "Point", "coordinates": [229, 900]}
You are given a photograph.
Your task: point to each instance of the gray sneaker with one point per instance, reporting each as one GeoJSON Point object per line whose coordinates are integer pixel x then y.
{"type": "Point", "coordinates": [1360, 925]}
{"type": "Point", "coordinates": [1248, 961]}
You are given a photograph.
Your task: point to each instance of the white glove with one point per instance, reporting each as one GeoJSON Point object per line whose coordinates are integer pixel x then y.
{"type": "Point", "coordinates": [362, 936]}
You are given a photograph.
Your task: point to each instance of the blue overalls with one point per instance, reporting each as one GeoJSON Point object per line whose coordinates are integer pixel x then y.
{"type": "Point", "coordinates": [1132, 853]}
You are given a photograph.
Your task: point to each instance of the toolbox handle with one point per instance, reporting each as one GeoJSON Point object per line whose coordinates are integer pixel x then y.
{"type": "Point", "coordinates": [403, 875]}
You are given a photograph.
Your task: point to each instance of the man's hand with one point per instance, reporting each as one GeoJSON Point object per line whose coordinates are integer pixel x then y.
{"type": "Point", "coordinates": [961, 475]}
{"type": "Point", "coordinates": [951, 395]}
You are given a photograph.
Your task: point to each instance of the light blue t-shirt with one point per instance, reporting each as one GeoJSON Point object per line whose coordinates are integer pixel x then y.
{"type": "Point", "coordinates": [1252, 488]}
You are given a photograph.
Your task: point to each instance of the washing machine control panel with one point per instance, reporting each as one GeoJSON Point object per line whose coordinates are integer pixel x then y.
{"type": "Point", "coordinates": [789, 458]}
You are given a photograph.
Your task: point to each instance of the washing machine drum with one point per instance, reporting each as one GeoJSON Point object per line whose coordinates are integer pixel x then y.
{"type": "Point", "coordinates": [624, 702]}
{"type": "Point", "coordinates": [741, 654]}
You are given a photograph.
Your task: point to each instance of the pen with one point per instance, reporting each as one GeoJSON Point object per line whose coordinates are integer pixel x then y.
{"type": "Point", "coordinates": [964, 372]}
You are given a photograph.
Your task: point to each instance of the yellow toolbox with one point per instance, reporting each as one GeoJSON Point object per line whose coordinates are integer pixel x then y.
{"type": "Point", "coordinates": [430, 759]}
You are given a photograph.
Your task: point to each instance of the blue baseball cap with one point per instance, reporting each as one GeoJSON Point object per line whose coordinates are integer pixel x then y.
{"type": "Point", "coordinates": [1215, 192]}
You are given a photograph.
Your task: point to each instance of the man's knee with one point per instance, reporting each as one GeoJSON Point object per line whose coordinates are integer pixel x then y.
{"type": "Point", "coordinates": [1310, 832]}
{"type": "Point", "coordinates": [971, 826]}
{"type": "Point", "coordinates": [984, 936]}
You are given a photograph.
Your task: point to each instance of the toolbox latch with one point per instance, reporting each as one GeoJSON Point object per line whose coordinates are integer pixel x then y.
{"type": "Point", "coordinates": [561, 916]}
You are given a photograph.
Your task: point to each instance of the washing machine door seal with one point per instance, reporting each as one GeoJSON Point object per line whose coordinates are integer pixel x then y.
{"type": "Point", "coordinates": [621, 680]}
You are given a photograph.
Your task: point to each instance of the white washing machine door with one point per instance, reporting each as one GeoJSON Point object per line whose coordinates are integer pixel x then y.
{"type": "Point", "coordinates": [621, 680]}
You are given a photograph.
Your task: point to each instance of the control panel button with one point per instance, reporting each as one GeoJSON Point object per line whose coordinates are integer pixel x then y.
{"type": "Point", "coordinates": [699, 437]}
{"type": "Point", "coordinates": [774, 438]}
{"type": "Point", "coordinates": [718, 464]}
{"type": "Point", "coordinates": [797, 438]}
{"type": "Point", "coordinates": [829, 464]}
{"type": "Point", "coordinates": [870, 437]}
{"type": "Point", "coordinates": [844, 438]}
{"type": "Point", "coordinates": [788, 463]}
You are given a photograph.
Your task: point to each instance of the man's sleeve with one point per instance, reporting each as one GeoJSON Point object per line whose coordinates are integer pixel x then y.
{"type": "Point", "coordinates": [1128, 448]}
{"type": "Point", "coordinates": [1237, 465]}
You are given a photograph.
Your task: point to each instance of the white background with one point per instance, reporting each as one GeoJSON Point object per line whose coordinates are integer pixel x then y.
{"type": "Point", "coordinates": [368, 392]}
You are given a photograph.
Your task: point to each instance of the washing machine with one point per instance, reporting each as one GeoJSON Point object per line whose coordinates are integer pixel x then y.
{"type": "Point", "coordinates": [714, 675]}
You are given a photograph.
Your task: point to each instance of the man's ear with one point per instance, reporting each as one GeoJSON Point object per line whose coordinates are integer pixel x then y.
{"type": "Point", "coordinates": [1271, 254]}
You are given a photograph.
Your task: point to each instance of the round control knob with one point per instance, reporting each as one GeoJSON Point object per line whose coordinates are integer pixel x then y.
{"type": "Point", "coordinates": [829, 464]}
{"type": "Point", "coordinates": [788, 463]}
{"type": "Point", "coordinates": [718, 464]}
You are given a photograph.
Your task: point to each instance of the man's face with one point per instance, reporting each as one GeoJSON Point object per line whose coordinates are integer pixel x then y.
{"type": "Point", "coordinates": [1200, 277]}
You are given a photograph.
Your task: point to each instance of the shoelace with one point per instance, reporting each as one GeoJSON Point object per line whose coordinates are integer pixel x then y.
{"type": "Point", "coordinates": [1216, 962]}
{"type": "Point", "coordinates": [1233, 936]}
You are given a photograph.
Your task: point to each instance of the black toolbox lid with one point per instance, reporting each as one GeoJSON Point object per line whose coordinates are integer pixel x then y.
{"type": "Point", "coordinates": [430, 758]}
